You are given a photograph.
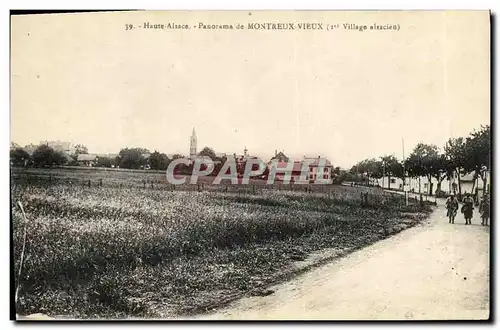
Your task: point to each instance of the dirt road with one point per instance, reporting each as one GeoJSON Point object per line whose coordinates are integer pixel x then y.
{"type": "Point", "coordinates": [433, 271]}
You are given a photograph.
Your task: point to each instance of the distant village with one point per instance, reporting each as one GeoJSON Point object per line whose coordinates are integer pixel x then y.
{"type": "Point", "coordinates": [385, 173]}
{"type": "Point", "coordinates": [78, 155]}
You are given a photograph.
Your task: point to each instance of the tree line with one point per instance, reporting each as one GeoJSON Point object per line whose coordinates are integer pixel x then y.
{"type": "Point", "coordinates": [129, 158]}
{"type": "Point", "coordinates": [460, 156]}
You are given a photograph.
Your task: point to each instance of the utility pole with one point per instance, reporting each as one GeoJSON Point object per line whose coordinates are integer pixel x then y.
{"type": "Point", "coordinates": [450, 178]}
{"type": "Point", "coordinates": [404, 171]}
{"type": "Point", "coordinates": [383, 173]}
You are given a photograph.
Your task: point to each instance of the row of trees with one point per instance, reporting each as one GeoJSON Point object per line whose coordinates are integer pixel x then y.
{"type": "Point", "coordinates": [41, 157]}
{"type": "Point", "coordinates": [460, 156]}
{"type": "Point", "coordinates": [45, 155]}
{"type": "Point", "coordinates": [136, 158]}
{"type": "Point", "coordinates": [131, 158]}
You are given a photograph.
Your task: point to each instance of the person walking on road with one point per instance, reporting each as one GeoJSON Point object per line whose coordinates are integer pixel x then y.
{"type": "Point", "coordinates": [467, 208]}
{"type": "Point", "coordinates": [484, 209]}
{"type": "Point", "coordinates": [452, 207]}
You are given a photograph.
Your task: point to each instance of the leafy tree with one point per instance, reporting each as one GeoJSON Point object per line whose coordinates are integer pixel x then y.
{"type": "Point", "coordinates": [14, 145]}
{"type": "Point", "coordinates": [438, 167]}
{"type": "Point", "coordinates": [19, 157]}
{"type": "Point", "coordinates": [336, 171]}
{"type": "Point", "coordinates": [177, 156]}
{"type": "Point", "coordinates": [374, 168]}
{"type": "Point", "coordinates": [132, 158]}
{"type": "Point", "coordinates": [391, 167]}
{"type": "Point", "coordinates": [470, 154]}
{"type": "Point", "coordinates": [143, 151]}
{"type": "Point", "coordinates": [158, 161]}
{"type": "Point", "coordinates": [183, 169]}
{"type": "Point", "coordinates": [47, 156]}
{"type": "Point", "coordinates": [81, 149]}
{"type": "Point", "coordinates": [219, 163]}
{"type": "Point", "coordinates": [104, 161]}
{"type": "Point", "coordinates": [448, 168]}
{"type": "Point", "coordinates": [425, 161]}
{"type": "Point", "coordinates": [366, 169]}
{"type": "Point", "coordinates": [478, 153]}
{"type": "Point", "coordinates": [222, 159]}
{"type": "Point", "coordinates": [456, 159]}
{"type": "Point", "coordinates": [208, 152]}
{"type": "Point", "coordinates": [340, 175]}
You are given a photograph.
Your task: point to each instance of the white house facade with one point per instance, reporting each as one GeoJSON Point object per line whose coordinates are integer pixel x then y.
{"type": "Point", "coordinates": [422, 184]}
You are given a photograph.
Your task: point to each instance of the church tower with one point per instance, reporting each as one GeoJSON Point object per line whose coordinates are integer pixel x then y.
{"type": "Point", "coordinates": [192, 145]}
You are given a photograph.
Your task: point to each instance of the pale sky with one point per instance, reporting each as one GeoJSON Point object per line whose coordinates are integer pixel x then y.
{"type": "Point", "coordinates": [344, 95]}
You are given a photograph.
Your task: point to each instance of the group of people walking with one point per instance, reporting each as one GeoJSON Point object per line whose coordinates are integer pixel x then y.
{"type": "Point", "coordinates": [452, 206]}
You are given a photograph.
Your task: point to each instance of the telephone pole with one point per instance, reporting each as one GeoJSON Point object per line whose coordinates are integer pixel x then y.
{"type": "Point", "coordinates": [404, 171]}
{"type": "Point", "coordinates": [383, 173]}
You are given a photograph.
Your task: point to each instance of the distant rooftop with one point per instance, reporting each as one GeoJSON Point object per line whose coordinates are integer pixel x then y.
{"type": "Point", "coordinates": [86, 157]}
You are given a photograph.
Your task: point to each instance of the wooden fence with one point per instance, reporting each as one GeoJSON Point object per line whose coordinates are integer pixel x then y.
{"type": "Point", "coordinates": [365, 195]}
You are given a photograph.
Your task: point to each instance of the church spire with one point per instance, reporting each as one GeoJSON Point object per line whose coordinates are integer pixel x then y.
{"type": "Point", "coordinates": [192, 145]}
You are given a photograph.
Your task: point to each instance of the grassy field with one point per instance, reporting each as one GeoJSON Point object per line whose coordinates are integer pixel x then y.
{"type": "Point", "coordinates": [120, 250]}
{"type": "Point", "coordinates": [84, 176]}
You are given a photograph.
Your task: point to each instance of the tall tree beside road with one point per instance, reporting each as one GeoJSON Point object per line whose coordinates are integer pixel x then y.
{"type": "Point", "coordinates": [478, 153]}
{"type": "Point", "coordinates": [391, 167]}
{"type": "Point", "coordinates": [461, 156]}
{"type": "Point", "coordinates": [424, 161]}
{"type": "Point", "coordinates": [456, 156]}
{"type": "Point", "coordinates": [368, 168]}
{"type": "Point", "coordinates": [438, 168]}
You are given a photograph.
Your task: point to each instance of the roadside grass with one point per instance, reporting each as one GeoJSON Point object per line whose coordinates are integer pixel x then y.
{"type": "Point", "coordinates": [111, 252]}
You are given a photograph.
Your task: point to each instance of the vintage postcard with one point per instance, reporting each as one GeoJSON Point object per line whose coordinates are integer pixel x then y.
{"type": "Point", "coordinates": [251, 165]}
